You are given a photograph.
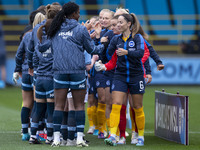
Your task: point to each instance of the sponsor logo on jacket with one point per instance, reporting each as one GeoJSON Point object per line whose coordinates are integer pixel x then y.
{"type": "Point", "coordinates": [48, 51]}
{"type": "Point", "coordinates": [65, 35]}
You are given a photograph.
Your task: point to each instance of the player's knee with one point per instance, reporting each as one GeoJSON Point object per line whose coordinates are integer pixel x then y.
{"type": "Point", "coordinates": [28, 104]}
{"type": "Point", "coordinates": [137, 106]}
{"type": "Point", "coordinates": [59, 107]}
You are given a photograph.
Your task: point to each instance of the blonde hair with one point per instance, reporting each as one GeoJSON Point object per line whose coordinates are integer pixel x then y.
{"type": "Point", "coordinates": [121, 10]}
{"type": "Point", "coordinates": [95, 17]}
{"type": "Point", "coordinates": [105, 10]}
{"type": "Point", "coordinates": [112, 13]}
{"type": "Point", "coordinates": [39, 17]}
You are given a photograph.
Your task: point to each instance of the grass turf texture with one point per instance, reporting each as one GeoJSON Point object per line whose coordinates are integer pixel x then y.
{"type": "Point", "coordinates": [10, 105]}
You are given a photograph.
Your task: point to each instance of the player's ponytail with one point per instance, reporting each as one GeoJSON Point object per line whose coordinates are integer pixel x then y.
{"type": "Point", "coordinates": [51, 12]}
{"type": "Point", "coordinates": [56, 23]}
{"type": "Point", "coordinates": [135, 26]}
{"type": "Point", "coordinates": [141, 31]}
{"type": "Point", "coordinates": [67, 10]}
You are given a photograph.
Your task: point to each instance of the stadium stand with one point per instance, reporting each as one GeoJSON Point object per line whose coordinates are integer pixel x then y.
{"type": "Point", "coordinates": [168, 25]}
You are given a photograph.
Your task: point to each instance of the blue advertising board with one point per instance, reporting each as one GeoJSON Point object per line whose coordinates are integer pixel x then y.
{"type": "Point", "coordinates": [171, 117]}
{"type": "Point", "coordinates": [177, 71]}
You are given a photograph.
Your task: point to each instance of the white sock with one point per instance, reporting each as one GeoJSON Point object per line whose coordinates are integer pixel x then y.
{"type": "Point", "coordinates": [49, 138]}
{"type": "Point", "coordinates": [29, 131]}
{"type": "Point", "coordinates": [33, 136]}
{"type": "Point", "coordinates": [79, 136]}
{"type": "Point", "coordinates": [56, 136]}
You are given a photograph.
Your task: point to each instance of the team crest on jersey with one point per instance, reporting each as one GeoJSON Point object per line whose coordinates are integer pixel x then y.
{"type": "Point", "coordinates": [131, 44]}
{"type": "Point", "coordinates": [97, 83]}
{"type": "Point", "coordinates": [108, 82]}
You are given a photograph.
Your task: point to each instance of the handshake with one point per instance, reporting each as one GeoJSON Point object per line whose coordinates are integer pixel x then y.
{"type": "Point", "coordinates": [99, 66]}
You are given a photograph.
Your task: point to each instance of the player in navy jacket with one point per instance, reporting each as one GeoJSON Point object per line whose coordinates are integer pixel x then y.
{"type": "Point", "coordinates": [32, 56]}
{"type": "Point", "coordinates": [44, 88]}
{"type": "Point", "coordinates": [21, 70]}
{"type": "Point", "coordinates": [34, 40]}
{"type": "Point", "coordinates": [69, 40]}
{"type": "Point", "coordinates": [128, 74]}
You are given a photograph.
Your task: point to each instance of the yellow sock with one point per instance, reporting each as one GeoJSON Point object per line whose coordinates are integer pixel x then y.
{"type": "Point", "coordinates": [101, 110]}
{"type": "Point", "coordinates": [140, 120]}
{"type": "Point", "coordinates": [108, 123]}
{"type": "Point", "coordinates": [104, 124]}
{"type": "Point", "coordinates": [94, 117]}
{"type": "Point", "coordinates": [89, 113]}
{"type": "Point", "coordinates": [92, 108]}
{"type": "Point", "coordinates": [115, 118]}
{"type": "Point", "coordinates": [117, 133]}
{"type": "Point", "coordinates": [132, 120]}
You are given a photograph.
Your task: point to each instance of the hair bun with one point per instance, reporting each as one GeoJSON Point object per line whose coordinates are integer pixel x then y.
{"type": "Point", "coordinates": [48, 7]}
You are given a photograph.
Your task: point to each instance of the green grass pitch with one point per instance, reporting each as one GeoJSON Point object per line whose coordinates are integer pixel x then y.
{"type": "Point", "coordinates": [10, 138]}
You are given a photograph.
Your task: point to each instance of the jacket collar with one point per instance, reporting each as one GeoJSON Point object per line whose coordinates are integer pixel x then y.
{"type": "Point", "coordinates": [121, 35]}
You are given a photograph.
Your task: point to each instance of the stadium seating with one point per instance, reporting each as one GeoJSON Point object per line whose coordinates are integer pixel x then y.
{"type": "Point", "coordinates": [168, 24]}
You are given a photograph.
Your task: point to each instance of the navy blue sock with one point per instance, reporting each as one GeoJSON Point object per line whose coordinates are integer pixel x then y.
{"type": "Point", "coordinates": [64, 130]}
{"type": "Point", "coordinates": [71, 125]}
{"type": "Point", "coordinates": [25, 119]}
{"type": "Point", "coordinates": [80, 120]}
{"type": "Point", "coordinates": [40, 107]}
{"type": "Point", "coordinates": [50, 109]}
{"type": "Point", "coordinates": [42, 119]}
{"type": "Point", "coordinates": [33, 109]}
{"type": "Point", "coordinates": [57, 120]}
{"type": "Point", "coordinates": [46, 115]}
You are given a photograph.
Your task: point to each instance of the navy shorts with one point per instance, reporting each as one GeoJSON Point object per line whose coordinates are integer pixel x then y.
{"type": "Point", "coordinates": [92, 87]}
{"type": "Point", "coordinates": [44, 88]}
{"type": "Point", "coordinates": [27, 82]}
{"type": "Point", "coordinates": [108, 81]}
{"type": "Point", "coordinates": [137, 86]}
{"type": "Point", "coordinates": [34, 78]}
{"type": "Point", "coordinates": [72, 81]}
{"type": "Point", "coordinates": [102, 81]}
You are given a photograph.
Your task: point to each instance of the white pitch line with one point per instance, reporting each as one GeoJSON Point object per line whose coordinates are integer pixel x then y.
{"type": "Point", "coordinates": [191, 132]}
{"type": "Point", "coordinates": [18, 132]}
